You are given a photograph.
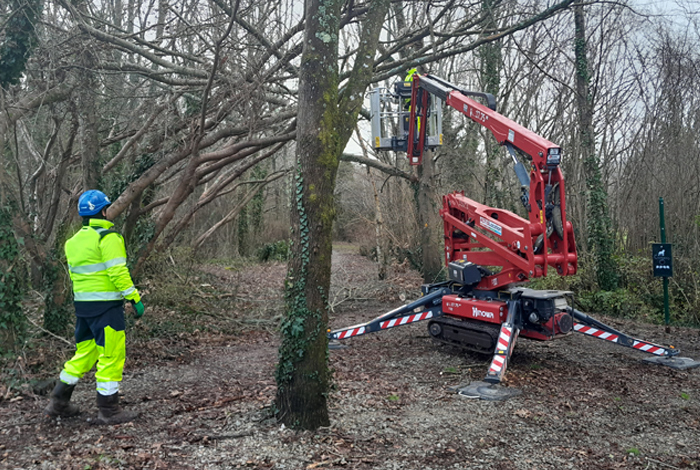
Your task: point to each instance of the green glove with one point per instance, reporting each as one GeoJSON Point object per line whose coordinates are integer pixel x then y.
{"type": "Point", "coordinates": [139, 309]}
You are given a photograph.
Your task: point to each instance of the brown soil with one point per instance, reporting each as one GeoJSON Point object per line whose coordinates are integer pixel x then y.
{"type": "Point", "coordinates": [204, 401]}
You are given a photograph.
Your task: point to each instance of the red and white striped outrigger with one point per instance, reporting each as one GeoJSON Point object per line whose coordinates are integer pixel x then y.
{"type": "Point", "coordinates": [504, 346]}
{"type": "Point", "coordinates": [590, 326]}
{"type": "Point", "coordinates": [431, 307]}
{"type": "Point", "coordinates": [482, 308]}
{"type": "Point", "coordinates": [425, 308]}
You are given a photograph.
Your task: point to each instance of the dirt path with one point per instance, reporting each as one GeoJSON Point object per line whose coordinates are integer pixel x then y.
{"type": "Point", "coordinates": [585, 404]}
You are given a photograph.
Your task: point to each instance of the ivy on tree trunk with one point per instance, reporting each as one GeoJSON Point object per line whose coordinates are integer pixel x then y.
{"type": "Point", "coordinates": [302, 373]}
{"type": "Point", "coordinates": [325, 122]}
{"type": "Point", "coordinates": [12, 320]}
{"type": "Point", "coordinates": [600, 233]}
{"type": "Point", "coordinates": [490, 73]}
{"type": "Point", "coordinates": [18, 41]}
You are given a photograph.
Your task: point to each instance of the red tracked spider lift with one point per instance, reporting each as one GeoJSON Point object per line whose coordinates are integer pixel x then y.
{"type": "Point", "coordinates": [483, 309]}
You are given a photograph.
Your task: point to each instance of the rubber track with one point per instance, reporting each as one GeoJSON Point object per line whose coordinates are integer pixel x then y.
{"type": "Point", "coordinates": [491, 331]}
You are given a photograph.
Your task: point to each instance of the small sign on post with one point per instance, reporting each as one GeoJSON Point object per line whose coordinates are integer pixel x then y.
{"type": "Point", "coordinates": [662, 259]}
{"type": "Point", "coordinates": [663, 263]}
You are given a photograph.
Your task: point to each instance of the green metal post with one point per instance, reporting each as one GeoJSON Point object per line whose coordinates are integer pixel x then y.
{"type": "Point", "coordinates": [662, 223]}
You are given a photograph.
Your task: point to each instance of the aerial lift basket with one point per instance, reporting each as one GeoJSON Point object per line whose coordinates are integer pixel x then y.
{"type": "Point", "coordinates": [390, 114]}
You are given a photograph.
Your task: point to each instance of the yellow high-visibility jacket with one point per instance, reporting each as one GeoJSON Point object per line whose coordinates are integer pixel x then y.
{"type": "Point", "coordinates": [97, 263]}
{"type": "Point", "coordinates": [409, 75]}
{"type": "Point", "coordinates": [409, 78]}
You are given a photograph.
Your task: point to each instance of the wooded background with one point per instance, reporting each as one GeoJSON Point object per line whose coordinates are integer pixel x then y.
{"type": "Point", "coordinates": [185, 113]}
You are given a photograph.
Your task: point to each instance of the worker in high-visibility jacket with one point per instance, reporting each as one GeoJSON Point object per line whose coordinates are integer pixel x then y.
{"type": "Point", "coordinates": [409, 79]}
{"type": "Point", "coordinates": [407, 101]}
{"type": "Point", "coordinates": [96, 259]}
{"type": "Point", "coordinates": [410, 74]}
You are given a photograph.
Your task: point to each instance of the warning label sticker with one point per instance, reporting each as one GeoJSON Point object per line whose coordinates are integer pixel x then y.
{"type": "Point", "coordinates": [494, 227]}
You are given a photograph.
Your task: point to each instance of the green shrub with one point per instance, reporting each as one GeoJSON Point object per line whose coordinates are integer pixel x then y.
{"type": "Point", "coordinates": [639, 296]}
{"type": "Point", "coordinates": [12, 320]}
{"type": "Point", "coordinates": [277, 251]}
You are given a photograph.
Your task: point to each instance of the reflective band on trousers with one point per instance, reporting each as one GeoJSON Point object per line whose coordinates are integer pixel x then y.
{"type": "Point", "coordinates": [93, 268]}
{"type": "Point", "coordinates": [86, 296]}
{"type": "Point", "coordinates": [107, 388]}
{"type": "Point", "coordinates": [68, 379]}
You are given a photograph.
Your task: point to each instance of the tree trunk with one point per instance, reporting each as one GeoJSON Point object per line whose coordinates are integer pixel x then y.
{"type": "Point", "coordinates": [55, 280]}
{"type": "Point", "coordinates": [88, 135]}
{"type": "Point", "coordinates": [428, 221]}
{"type": "Point", "coordinates": [325, 122]}
{"type": "Point", "coordinates": [302, 373]}
{"type": "Point", "coordinates": [243, 232]}
{"type": "Point", "coordinates": [382, 255]}
{"type": "Point", "coordinates": [184, 188]}
{"type": "Point", "coordinates": [12, 319]}
{"type": "Point", "coordinates": [380, 238]}
{"type": "Point", "coordinates": [490, 73]}
{"type": "Point", "coordinates": [56, 315]}
{"type": "Point", "coordinates": [600, 233]}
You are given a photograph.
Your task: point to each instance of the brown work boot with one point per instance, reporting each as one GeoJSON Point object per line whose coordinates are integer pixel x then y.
{"type": "Point", "coordinates": [110, 411]}
{"type": "Point", "coordinates": [60, 405]}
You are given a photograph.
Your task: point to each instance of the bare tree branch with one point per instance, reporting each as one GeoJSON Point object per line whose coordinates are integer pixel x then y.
{"type": "Point", "coordinates": [383, 167]}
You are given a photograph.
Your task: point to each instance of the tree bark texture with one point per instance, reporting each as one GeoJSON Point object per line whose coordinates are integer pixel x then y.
{"type": "Point", "coordinates": [325, 122]}
{"type": "Point", "coordinates": [382, 255]}
{"type": "Point", "coordinates": [428, 221]}
{"type": "Point", "coordinates": [600, 234]}
{"type": "Point", "coordinates": [490, 74]}
{"type": "Point", "coordinates": [89, 127]}
{"type": "Point", "coordinates": [302, 372]}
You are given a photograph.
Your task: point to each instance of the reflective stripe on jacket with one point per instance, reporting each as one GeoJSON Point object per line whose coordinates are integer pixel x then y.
{"type": "Point", "coordinates": [98, 265]}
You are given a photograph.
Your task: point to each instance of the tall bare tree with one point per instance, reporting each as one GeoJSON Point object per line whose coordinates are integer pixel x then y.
{"type": "Point", "coordinates": [600, 234]}
{"type": "Point", "coordinates": [490, 78]}
{"type": "Point", "coordinates": [326, 119]}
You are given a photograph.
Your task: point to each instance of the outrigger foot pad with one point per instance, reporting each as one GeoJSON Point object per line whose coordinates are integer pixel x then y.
{"type": "Point", "coordinates": [675, 362]}
{"type": "Point", "coordinates": [486, 391]}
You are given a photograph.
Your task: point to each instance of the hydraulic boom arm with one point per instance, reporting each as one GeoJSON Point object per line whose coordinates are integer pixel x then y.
{"type": "Point", "coordinates": [495, 237]}
{"type": "Point", "coordinates": [489, 251]}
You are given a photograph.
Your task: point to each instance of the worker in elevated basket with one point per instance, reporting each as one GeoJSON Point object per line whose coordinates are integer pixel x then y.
{"type": "Point", "coordinates": [97, 263]}
{"type": "Point", "coordinates": [407, 102]}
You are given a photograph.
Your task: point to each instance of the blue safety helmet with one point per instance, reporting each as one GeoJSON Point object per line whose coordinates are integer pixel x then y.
{"type": "Point", "coordinates": [92, 202]}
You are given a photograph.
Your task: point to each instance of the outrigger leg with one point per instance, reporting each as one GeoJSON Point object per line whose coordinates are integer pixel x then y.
{"type": "Point", "coordinates": [490, 388]}
{"type": "Point", "coordinates": [667, 356]}
{"type": "Point", "coordinates": [425, 308]}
